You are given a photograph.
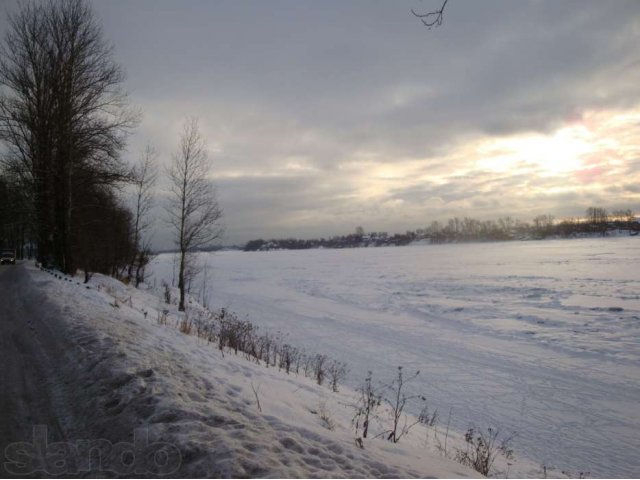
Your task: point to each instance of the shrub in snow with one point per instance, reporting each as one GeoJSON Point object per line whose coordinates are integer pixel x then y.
{"type": "Point", "coordinates": [337, 371]}
{"type": "Point", "coordinates": [319, 368]}
{"type": "Point", "coordinates": [234, 333]}
{"type": "Point", "coordinates": [325, 417]}
{"type": "Point", "coordinates": [287, 353]}
{"type": "Point", "coordinates": [366, 407]}
{"type": "Point", "coordinates": [392, 399]}
{"type": "Point", "coordinates": [428, 420]}
{"type": "Point", "coordinates": [298, 360]}
{"type": "Point", "coordinates": [201, 324]}
{"type": "Point", "coordinates": [227, 331]}
{"type": "Point", "coordinates": [264, 346]}
{"type": "Point", "coordinates": [482, 448]}
{"type": "Point", "coordinates": [397, 401]}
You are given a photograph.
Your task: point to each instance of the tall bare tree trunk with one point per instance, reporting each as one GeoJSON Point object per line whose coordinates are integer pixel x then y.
{"type": "Point", "coordinates": [63, 117]}
{"type": "Point", "coordinates": [194, 212]}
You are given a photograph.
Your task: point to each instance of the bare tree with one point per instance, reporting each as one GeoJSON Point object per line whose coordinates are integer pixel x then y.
{"type": "Point", "coordinates": [368, 401]}
{"type": "Point", "coordinates": [598, 218]}
{"type": "Point", "coordinates": [26, 111]}
{"type": "Point", "coordinates": [63, 117]}
{"type": "Point", "coordinates": [624, 215]}
{"type": "Point", "coordinates": [194, 212]}
{"type": "Point", "coordinates": [543, 225]}
{"type": "Point", "coordinates": [433, 18]}
{"type": "Point", "coordinates": [144, 177]}
{"type": "Point", "coordinates": [397, 403]}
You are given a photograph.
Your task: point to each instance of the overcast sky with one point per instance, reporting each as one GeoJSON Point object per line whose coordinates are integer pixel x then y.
{"type": "Point", "coordinates": [322, 116]}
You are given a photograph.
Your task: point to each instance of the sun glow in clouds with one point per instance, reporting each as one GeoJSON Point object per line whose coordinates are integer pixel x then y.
{"type": "Point", "coordinates": [584, 156]}
{"type": "Point", "coordinates": [546, 155]}
{"type": "Point", "coordinates": [598, 144]}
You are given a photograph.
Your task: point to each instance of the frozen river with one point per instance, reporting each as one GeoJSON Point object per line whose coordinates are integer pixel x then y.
{"type": "Point", "coordinates": [537, 338]}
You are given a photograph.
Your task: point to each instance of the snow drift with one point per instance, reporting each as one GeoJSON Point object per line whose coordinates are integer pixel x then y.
{"type": "Point", "coordinates": [124, 374]}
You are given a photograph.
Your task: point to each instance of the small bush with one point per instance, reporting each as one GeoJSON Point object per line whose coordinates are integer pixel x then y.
{"type": "Point", "coordinates": [368, 402]}
{"type": "Point", "coordinates": [229, 332]}
{"type": "Point", "coordinates": [234, 333]}
{"type": "Point", "coordinates": [397, 402]}
{"type": "Point", "coordinates": [337, 371]}
{"type": "Point", "coordinates": [325, 417]}
{"type": "Point", "coordinates": [481, 450]}
{"type": "Point", "coordinates": [319, 371]}
{"type": "Point", "coordinates": [287, 353]}
{"type": "Point", "coordinates": [201, 324]}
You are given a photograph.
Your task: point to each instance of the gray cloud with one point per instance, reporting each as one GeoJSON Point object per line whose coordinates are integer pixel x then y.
{"type": "Point", "coordinates": [301, 100]}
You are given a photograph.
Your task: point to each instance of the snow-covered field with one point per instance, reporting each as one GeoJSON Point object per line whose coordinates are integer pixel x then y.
{"type": "Point", "coordinates": [537, 338]}
{"type": "Point", "coordinates": [128, 384]}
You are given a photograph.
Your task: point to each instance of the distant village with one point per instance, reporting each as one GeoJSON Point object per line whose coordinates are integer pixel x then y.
{"type": "Point", "coordinates": [597, 222]}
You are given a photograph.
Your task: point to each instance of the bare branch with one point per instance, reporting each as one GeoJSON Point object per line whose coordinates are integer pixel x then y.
{"type": "Point", "coordinates": [433, 18]}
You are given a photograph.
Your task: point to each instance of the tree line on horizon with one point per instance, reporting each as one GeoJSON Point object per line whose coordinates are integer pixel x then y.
{"type": "Point", "coordinates": [596, 221]}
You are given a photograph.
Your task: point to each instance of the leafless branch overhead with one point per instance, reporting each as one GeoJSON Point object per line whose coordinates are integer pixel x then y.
{"type": "Point", "coordinates": [431, 19]}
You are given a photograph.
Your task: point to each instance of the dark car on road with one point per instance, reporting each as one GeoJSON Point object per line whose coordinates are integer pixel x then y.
{"type": "Point", "coordinates": [8, 257]}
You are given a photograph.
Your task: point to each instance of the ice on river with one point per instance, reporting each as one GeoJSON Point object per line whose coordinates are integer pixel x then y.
{"type": "Point", "coordinates": [539, 338]}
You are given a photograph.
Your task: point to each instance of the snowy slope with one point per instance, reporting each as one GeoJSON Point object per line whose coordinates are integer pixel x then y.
{"type": "Point", "coordinates": [540, 338]}
{"type": "Point", "coordinates": [134, 373]}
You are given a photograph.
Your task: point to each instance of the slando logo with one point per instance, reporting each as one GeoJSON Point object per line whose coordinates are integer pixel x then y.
{"type": "Point", "coordinates": [95, 456]}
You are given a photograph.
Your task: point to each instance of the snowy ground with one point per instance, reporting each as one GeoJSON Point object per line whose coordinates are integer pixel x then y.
{"type": "Point", "coordinates": [115, 375]}
{"type": "Point", "coordinates": [538, 338]}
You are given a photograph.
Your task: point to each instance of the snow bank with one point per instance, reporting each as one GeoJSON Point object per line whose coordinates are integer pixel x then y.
{"type": "Point", "coordinates": [130, 374]}
{"type": "Point", "coordinates": [538, 338]}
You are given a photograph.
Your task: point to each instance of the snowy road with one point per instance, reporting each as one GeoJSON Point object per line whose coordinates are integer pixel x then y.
{"type": "Point", "coordinates": [55, 372]}
{"type": "Point", "coordinates": [31, 348]}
